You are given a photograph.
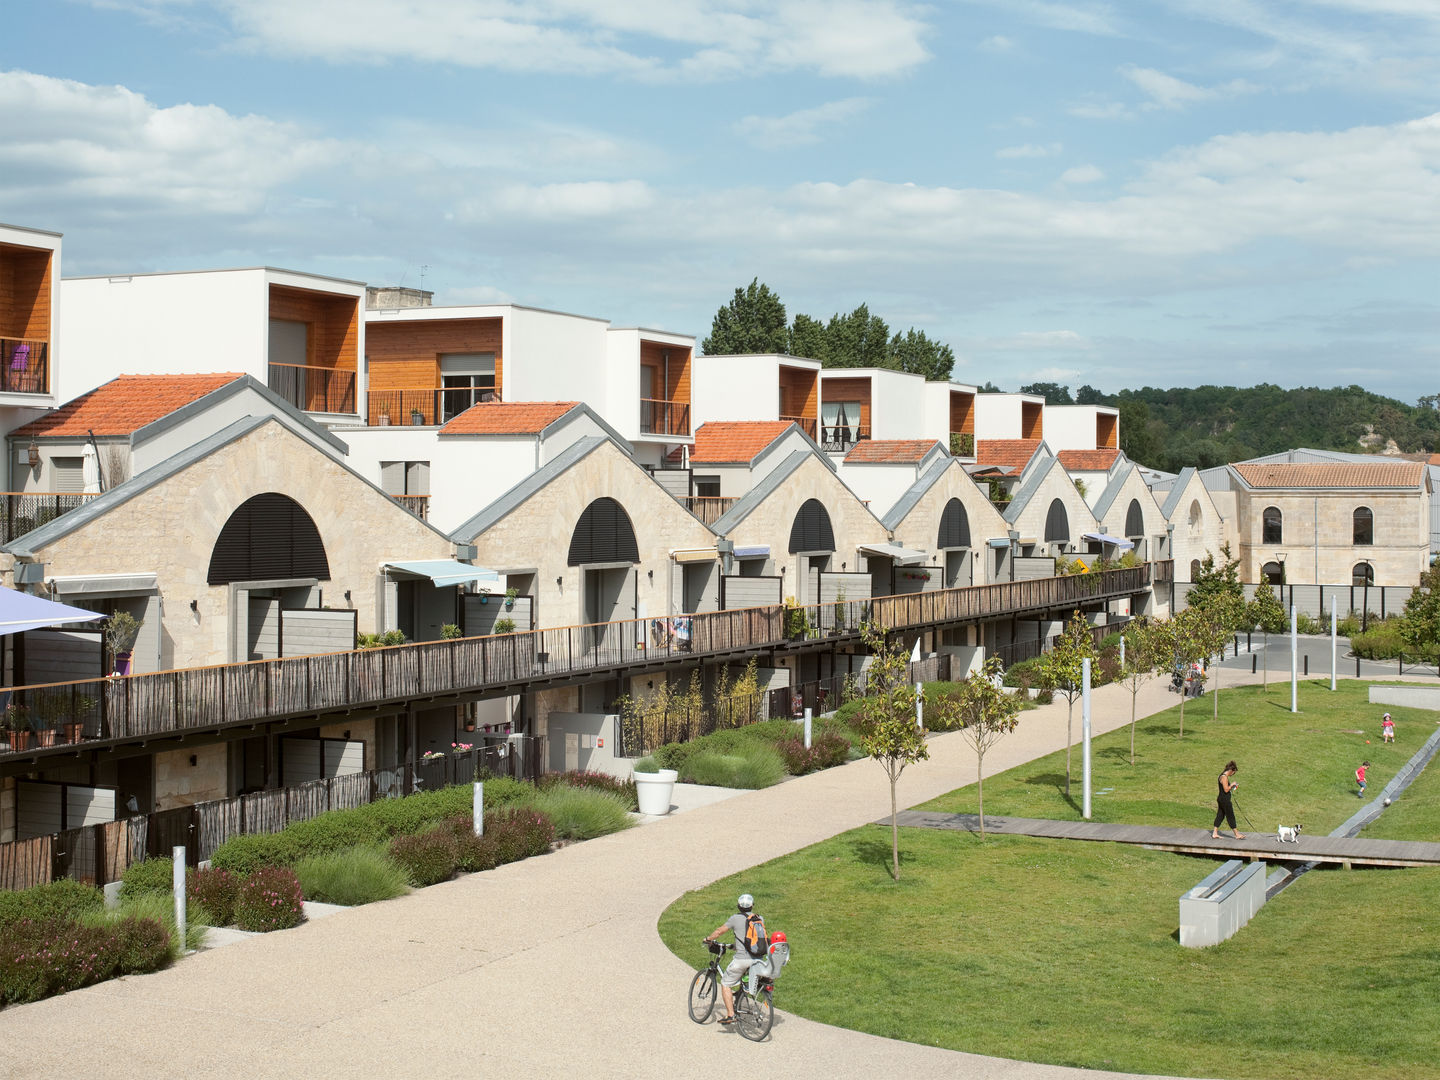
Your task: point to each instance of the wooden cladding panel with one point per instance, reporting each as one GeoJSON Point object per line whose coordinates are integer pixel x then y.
{"type": "Point", "coordinates": [837, 390]}
{"type": "Point", "coordinates": [1032, 425]}
{"type": "Point", "coordinates": [962, 412]}
{"type": "Point", "coordinates": [677, 387]}
{"type": "Point", "coordinates": [412, 350]}
{"type": "Point", "coordinates": [1107, 432]}
{"type": "Point", "coordinates": [334, 323]}
{"type": "Point", "coordinates": [25, 289]}
{"type": "Point", "coordinates": [800, 393]}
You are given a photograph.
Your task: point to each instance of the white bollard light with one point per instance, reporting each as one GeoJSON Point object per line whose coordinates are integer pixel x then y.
{"type": "Point", "coordinates": [478, 807]}
{"type": "Point", "coordinates": [1294, 660]}
{"type": "Point", "coordinates": [177, 877]}
{"type": "Point", "coordinates": [807, 729]}
{"type": "Point", "coordinates": [1085, 732]}
{"type": "Point", "coordinates": [1333, 639]}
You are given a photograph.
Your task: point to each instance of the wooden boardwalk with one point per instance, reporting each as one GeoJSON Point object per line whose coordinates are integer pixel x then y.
{"type": "Point", "coordinates": [1345, 851]}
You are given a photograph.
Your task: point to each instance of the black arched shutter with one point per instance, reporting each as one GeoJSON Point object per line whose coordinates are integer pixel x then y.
{"type": "Point", "coordinates": [603, 534]}
{"type": "Point", "coordinates": [269, 537]}
{"type": "Point", "coordinates": [811, 530]}
{"type": "Point", "coordinates": [954, 526]}
{"type": "Point", "coordinates": [1057, 524]}
{"type": "Point", "coordinates": [1134, 520]}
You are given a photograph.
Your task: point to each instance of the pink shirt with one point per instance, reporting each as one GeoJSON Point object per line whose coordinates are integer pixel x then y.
{"type": "Point", "coordinates": [1360, 774]}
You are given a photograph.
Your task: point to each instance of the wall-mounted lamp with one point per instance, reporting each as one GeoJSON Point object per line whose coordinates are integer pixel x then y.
{"type": "Point", "coordinates": [559, 581]}
{"type": "Point", "coordinates": [650, 574]}
{"type": "Point", "coordinates": [345, 734]}
{"type": "Point", "coordinates": [195, 606]}
{"type": "Point", "coordinates": [347, 596]}
{"type": "Point", "coordinates": [843, 565]}
{"type": "Point", "coordinates": [194, 760]}
{"type": "Point", "coordinates": [34, 455]}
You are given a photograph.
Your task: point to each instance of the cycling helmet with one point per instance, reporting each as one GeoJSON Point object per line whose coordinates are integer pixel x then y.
{"type": "Point", "coordinates": [746, 902]}
{"type": "Point", "coordinates": [779, 938]}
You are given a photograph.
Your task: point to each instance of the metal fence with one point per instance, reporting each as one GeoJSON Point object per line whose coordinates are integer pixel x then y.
{"type": "Point", "coordinates": [26, 510]}
{"type": "Point", "coordinates": [101, 853]}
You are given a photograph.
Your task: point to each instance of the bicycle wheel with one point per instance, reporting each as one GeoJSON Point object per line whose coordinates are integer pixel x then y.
{"type": "Point", "coordinates": [702, 996]}
{"type": "Point", "coordinates": [754, 1015]}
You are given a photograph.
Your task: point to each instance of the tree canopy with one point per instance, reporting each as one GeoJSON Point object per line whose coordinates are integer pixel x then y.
{"type": "Point", "coordinates": [753, 322]}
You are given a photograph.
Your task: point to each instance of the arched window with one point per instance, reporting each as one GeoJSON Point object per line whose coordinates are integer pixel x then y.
{"type": "Point", "coordinates": [811, 530]}
{"type": "Point", "coordinates": [1194, 569]}
{"type": "Point", "coordinates": [1362, 573]}
{"type": "Point", "coordinates": [603, 535]}
{"type": "Point", "coordinates": [954, 526]}
{"type": "Point", "coordinates": [1364, 525]}
{"type": "Point", "coordinates": [1271, 532]}
{"type": "Point", "coordinates": [1134, 520]}
{"type": "Point", "coordinates": [1274, 573]}
{"type": "Point", "coordinates": [269, 537]}
{"type": "Point", "coordinates": [1057, 524]}
{"type": "Point", "coordinates": [1197, 520]}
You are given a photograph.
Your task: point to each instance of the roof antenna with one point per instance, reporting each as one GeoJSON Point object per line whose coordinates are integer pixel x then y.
{"type": "Point", "coordinates": [423, 268]}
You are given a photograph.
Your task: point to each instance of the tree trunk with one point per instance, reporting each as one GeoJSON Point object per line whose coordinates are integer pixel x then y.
{"type": "Point", "coordinates": [1182, 710]}
{"type": "Point", "coordinates": [980, 786]}
{"type": "Point", "coordinates": [1069, 731]}
{"type": "Point", "coordinates": [894, 832]}
{"type": "Point", "coordinates": [1133, 695]}
{"type": "Point", "coordinates": [1215, 702]}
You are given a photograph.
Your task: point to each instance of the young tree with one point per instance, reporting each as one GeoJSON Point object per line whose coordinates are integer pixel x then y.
{"type": "Point", "coordinates": [753, 322]}
{"type": "Point", "coordinates": [982, 712]}
{"type": "Point", "coordinates": [1149, 650]}
{"type": "Point", "coordinates": [1420, 627]}
{"type": "Point", "coordinates": [888, 729]}
{"type": "Point", "coordinates": [1265, 612]}
{"type": "Point", "coordinates": [1189, 637]}
{"type": "Point", "coordinates": [1219, 597]}
{"type": "Point", "coordinates": [1063, 668]}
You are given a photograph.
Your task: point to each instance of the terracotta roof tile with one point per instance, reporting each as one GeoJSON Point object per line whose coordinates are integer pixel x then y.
{"type": "Point", "coordinates": [1382, 474]}
{"type": "Point", "coordinates": [1087, 460]}
{"type": "Point", "coordinates": [508, 418]}
{"type": "Point", "coordinates": [1012, 455]}
{"type": "Point", "coordinates": [889, 451]}
{"type": "Point", "coordinates": [124, 405]}
{"type": "Point", "coordinates": [728, 441]}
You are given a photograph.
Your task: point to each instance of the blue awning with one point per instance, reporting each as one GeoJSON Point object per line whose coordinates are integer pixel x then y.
{"type": "Point", "coordinates": [1001, 542]}
{"type": "Point", "coordinates": [751, 551]}
{"type": "Point", "coordinates": [20, 612]}
{"type": "Point", "coordinates": [1111, 541]}
{"type": "Point", "coordinates": [443, 572]}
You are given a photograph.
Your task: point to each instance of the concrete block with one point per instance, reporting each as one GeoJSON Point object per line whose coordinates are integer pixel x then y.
{"type": "Point", "coordinates": [1219, 906]}
{"type": "Point", "coordinates": [1408, 697]}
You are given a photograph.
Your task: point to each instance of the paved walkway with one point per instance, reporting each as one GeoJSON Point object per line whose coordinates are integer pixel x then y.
{"type": "Point", "coordinates": [543, 968]}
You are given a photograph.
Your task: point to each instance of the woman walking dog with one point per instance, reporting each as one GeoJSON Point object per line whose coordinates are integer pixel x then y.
{"type": "Point", "coordinates": [1225, 808]}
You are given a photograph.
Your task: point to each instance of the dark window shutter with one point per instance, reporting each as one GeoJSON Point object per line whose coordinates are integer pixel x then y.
{"type": "Point", "coordinates": [603, 534]}
{"type": "Point", "coordinates": [1134, 520]}
{"type": "Point", "coordinates": [269, 537]}
{"type": "Point", "coordinates": [811, 530]}
{"type": "Point", "coordinates": [954, 526]}
{"type": "Point", "coordinates": [1057, 524]}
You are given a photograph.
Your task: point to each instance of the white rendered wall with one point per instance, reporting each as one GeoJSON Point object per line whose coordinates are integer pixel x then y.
{"type": "Point", "coordinates": [162, 324]}
{"type": "Point", "coordinates": [1070, 427]}
{"type": "Point", "coordinates": [997, 416]}
{"type": "Point", "coordinates": [549, 356]}
{"type": "Point", "coordinates": [879, 485]}
{"type": "Point", "coordinates": [935, 414]}
{"type": "Point", "coordinates": [734, 388]}
{"type": "Point", "coordinates": [620, 401]}
{"type": "Point", "coordinates": [188, 432]}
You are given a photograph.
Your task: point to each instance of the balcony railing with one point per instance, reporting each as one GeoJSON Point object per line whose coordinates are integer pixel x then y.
{"type": "Point", "coordinates": [839, 438]}
{"type": "Point", "coordinates": [708, 508]}
{"type": "Point", "coordinates": [26, 510]}
{"type": "Point", "coordinates": [139, 706]}
{"type": "Point", "coordinates": [664, 417]}
{"type": "Point", "coordinates": [419, 505]}
{"type": "Point", "coordinates": [24, 366]}
{"type": "Point", "coordinates": [314, 389]}
{"type": "Point", "coordinates": [807, 424]}
{"type": "Point", "coordinates": [422, 406]}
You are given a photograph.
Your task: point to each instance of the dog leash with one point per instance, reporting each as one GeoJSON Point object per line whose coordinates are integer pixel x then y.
{"type": "Point", "coordinates": [1249, 824]}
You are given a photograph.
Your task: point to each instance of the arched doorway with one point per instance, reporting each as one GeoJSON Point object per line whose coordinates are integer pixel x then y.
{"type": "Point", "coordinates": [954, 541]}
{"type": "Point", "coordinates": [812, 542]}
{"type": "Point", "coordinates": [604, 548]}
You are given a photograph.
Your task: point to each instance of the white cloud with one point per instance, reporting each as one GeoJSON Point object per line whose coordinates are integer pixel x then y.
{"type": "Point", "coordinates": [1168, 92]}
{"type": "Point", "coordinates": [560, 202]}
{"type": "Point", "coordinates": [637, 39]}
{"type": "Point", "coordinates": [997, 43]}
{"type": "Point", "coordinates": [800, 127]}
{"type": "Point", "coordinates": [1029, 150]}
{"type": "Point", "coordinates": [1081, 174]}
{"type": "Point", "coordinates": [1084, 18]}
{"type": "Point", "coordinates": [1098, 109]}
{"type": "Point", "coordinates": [1044, 339]}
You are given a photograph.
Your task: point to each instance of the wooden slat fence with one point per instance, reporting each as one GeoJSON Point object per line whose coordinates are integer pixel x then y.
{"type": "Point", "coordinates": [101, 853]}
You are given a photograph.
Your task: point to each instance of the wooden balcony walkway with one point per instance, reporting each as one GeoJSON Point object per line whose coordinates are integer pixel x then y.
{"type": "Point", "coordinates": [1344, 851]}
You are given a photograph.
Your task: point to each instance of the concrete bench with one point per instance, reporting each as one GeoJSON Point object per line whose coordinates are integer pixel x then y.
{"type": "Point", "coordinates": [1221, 904]}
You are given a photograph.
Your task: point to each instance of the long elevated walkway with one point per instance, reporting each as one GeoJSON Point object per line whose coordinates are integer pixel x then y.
{"type": "Point", "coordinates": [1345, 851]}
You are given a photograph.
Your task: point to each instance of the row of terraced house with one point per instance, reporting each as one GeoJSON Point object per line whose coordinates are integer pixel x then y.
{"type": "Point", "coordinates": [259, 465]}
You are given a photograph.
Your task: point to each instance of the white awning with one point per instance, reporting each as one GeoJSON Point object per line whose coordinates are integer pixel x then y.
{"type": "Point", "coordinates": [999, 542]}
{"type": "Point", "coordinates": [21, 611]}
{"type": "Point", "coordinates": [694, 555]}
{"type": "Point", "coordinates": [752, 551]}
{"type": "Point", "coordinates": [1112, 541]}
{"type": "Point", "coordinates": [443, 572]}
{"type": "Point", "coordinates": [102, 584]}
{"type": "Point", "coordinates": [902, 556]}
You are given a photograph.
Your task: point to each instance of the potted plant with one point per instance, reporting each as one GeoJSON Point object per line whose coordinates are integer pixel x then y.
{"type": "Point", "coordinates": [797, 625]}
{"type": "Point", "coordinates": [449, 632]}
{"type": "Point", "coordinates": [510, 595]}
{"type": "Point", "coordinates": [120, 633]}
{"type": "Point", "coordinates": [16, 720]}
{"type": "Point", "coordinates": [653, 787]}
{"type": "Point", "coordinates": [74, 725]}
{"type": "Point", "coordinates": [45, 718]}
{"type": "Point", "coordinates": [417, 418]}
{"type": "Point", "coordinates": [839, 611]}
{"type": "Point", "coordinates": [504, 626]}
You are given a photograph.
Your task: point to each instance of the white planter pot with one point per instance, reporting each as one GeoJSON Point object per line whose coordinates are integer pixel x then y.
{"type": "Point", "coordinates": [653, 791]}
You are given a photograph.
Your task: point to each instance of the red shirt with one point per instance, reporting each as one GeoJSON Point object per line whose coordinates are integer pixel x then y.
{"type": "Point", "coordinates": [1360, 774]}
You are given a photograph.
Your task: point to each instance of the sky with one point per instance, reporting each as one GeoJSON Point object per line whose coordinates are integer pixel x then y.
{"type": "Point", "coordinates": [1162, 193]}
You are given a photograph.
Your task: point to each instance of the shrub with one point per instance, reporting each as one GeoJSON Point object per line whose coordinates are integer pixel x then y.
{"type": "Point", "coordinates": [269, 899]}
{"type": "Point", "coordinates": [1026, 673]}
{"type": "Point", "coordinates": [155, 875]}
{"type": "Point", "coordinates": [43, 957]}
{"type": "Point", "coordinates": [829, 749]}
{"type": "Point", "coordinates": [798, 758]}
{"type": "Point", "coordinates": [426, 858]}
{"type": "Point", "coordinates": [597, 781]}
{"type": "Point", "coordinates": [520, 832]}
{"type": "Point", "coordinates": [63, 899]}
{"type": "Point", "coordinates": [158, 908]}
{"type": "Point", "coordinates": [358, 875]}
{"type": "Point", "coordinates": [215, 891]}
{"type": "Point", "coordinates": [581, 814]}
{"type": "Point", "coordinates": [751, 767]}
{"type": "Point", "coordinates": [646, 765]}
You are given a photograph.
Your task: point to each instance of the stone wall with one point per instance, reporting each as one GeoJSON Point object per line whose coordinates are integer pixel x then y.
{"type": "Point", "coordinates": [179, 783]}
{"type": "Point", "coordinates": [920, 528]}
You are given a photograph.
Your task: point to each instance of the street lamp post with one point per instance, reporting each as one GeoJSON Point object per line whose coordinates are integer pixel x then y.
{"type": "Point", "coordinates": [1365, 603]}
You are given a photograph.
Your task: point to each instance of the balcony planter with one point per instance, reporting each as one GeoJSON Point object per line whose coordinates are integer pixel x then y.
{"type": "Point", "coordinates": [74, 731]}
{"type": "Point", "coordinates": [122, 662]}
{"type": "Point", "coordinates": [417, 418]}
{"type": "Point", "coordinates": [120, 633]}
{"type": "Point", "coordinates": [653, 791]}
{"type": "Point", "coordinates": [45, 737]}
{"type": "Point", "coordinates": [19, 740]}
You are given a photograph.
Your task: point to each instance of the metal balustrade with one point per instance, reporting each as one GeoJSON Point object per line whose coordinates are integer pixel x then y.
{"type": "Point", "coordinates": [24, 366]}
{"type": "Point", "coordinates": [659, 417]}
{"type": "Point", "coordinates": [314, 389]}
{"type": "Point", "coordinates": [121, 708]}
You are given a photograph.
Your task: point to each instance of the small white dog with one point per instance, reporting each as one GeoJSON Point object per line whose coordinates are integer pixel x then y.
{"type": "Point", "coordinates": [1288, 834]}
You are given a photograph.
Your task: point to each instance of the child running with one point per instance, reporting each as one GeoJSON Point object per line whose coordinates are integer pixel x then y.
{"type": "Point", "coordinates": [1360, 778]}
{"type": "Point", "coordinates": [1387, 728]}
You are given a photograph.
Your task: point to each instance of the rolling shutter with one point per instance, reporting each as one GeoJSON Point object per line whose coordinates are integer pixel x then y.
{"type": "Point", "coordinates": [1134, 520]}
{"type": "Point", "coordinates": [269, 538]}
{"type": "Point", "coordinates": [954, 526]}
{"type": "Point", "coordinates": [1057, 524]}
{"type": "Point", "coordinates": [811, 530]}
{"type": "Point", "coordinates": [603, 535]}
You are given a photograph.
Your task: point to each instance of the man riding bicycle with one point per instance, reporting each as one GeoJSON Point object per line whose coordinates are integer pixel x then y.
{"type": "Point", "coordinates": [741, 961]}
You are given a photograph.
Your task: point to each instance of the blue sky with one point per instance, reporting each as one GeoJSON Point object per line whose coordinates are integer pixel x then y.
{"type": "Point", "coordinates": [1162, 193]}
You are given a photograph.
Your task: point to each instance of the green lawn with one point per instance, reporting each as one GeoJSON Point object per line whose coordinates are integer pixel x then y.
{"type": "Point", "coordinates": [1066, 952]}
{"type": "Point", "coordinates": [1293, 767]}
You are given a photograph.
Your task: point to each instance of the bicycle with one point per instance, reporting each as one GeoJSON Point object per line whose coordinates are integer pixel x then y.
{"type": "Point", "coordinates": [754, 1013]}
